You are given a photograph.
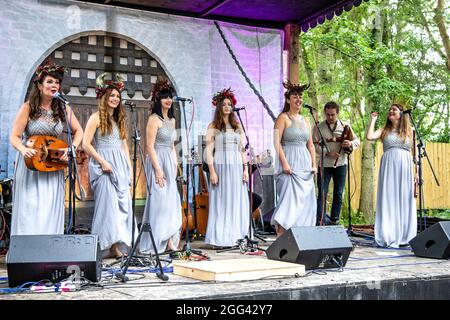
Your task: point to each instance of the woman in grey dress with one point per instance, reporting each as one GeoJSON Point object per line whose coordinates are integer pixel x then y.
{"type": "Point", "coordinates": [296, 165]}
{"type": "Point", "coordinates": [38, 197]}
{"type": "Point", "coordinates": [396, 218]}
{"type": "Point", "coordinates": [228, 217]}
{"type": "Point", "coordinates": [110, 170]}
{"type": "Point", "coordinates": [163, 205]}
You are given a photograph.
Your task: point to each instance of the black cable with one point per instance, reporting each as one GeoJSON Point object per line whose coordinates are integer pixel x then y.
{"type": "Point", "coordinates": [256, 92]}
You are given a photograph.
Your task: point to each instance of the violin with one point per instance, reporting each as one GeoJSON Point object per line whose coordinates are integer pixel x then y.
{"type": "Point", "coordinates": [49, 151]}
{"type": "Point", "coordinates": [347, 134]}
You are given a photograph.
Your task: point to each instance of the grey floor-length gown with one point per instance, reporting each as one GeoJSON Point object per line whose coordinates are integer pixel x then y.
{"type": "Point", "coordinates": [396, 217]}
{"type": "Point", "coordinates": [38, 197]}
{"type": "Point", "coordinates": [163, 204]}
{"type": "Point", "coordinates": [297, 202]}
{"type": "Point", "coordinates": [229, 212]}
{"type": "Point", "coordinates": [113, 213]}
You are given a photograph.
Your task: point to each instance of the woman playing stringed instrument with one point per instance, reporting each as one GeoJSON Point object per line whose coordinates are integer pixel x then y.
{"type": "Point", "coordinates": [38, 201]}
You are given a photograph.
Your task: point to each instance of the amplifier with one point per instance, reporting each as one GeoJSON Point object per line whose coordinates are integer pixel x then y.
{"type": "Point", "coordinates": [32, 258]}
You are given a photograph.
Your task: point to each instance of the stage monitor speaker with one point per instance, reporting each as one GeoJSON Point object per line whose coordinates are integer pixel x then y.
{"type": "Point", "coordinates": [314, 247]}
{"type": "Point", "coordinates": [434, 242]}
{"type": "Point", "coordinates": [32, 258]}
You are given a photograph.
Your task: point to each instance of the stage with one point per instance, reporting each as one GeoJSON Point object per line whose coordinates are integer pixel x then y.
{"type": "Point", "coordinates": [370, 274]}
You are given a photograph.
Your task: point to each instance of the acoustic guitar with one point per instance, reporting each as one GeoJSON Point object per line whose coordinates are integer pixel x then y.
{"type": "Point", "coordinates": [184, 204]}
{"type": "Point", "coordinates": [202, 202]}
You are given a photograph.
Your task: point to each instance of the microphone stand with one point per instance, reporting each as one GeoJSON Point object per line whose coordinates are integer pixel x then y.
{"type": "Point", "coordinates": [422, 153]}
{"type": "Point", "coordinates": [187, 245]}
{"type": "Point", "coordinates": [145, 227]}
{"type": "Point", "coordinates": [136, 145]}
{"type": "Point", "coordinates": [195, 233]}
{"type": "Point", "coordinates": [247, 244]}
{"type": "Point", "coordinates": [322, 143]}
{"type": "Point", "coordinates": [72, 167]}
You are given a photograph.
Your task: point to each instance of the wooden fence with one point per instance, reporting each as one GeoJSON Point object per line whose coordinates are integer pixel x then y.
{"type": "Point", "coordinates": [436, 197]}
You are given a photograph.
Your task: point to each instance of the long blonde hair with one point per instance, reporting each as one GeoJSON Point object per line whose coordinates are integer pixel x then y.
{"type": "Point", "coordinates": [405, 130]}
{"type": "Point", "coordinates": [118, 115]}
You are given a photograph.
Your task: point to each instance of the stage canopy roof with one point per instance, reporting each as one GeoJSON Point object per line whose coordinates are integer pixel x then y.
{"type": "Point", "coordinates": [264, 13]}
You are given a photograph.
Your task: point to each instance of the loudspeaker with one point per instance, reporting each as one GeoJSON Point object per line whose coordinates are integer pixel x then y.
{"type": "Point", "coordinates": [315, 247]}
{"type": "Point", "coordinates": [434, 242]}
{"type": "Point", "coordinates": [54, 257]}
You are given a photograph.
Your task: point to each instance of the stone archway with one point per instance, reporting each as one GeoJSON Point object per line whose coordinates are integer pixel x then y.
{"type": "Point", "coordinates": [90, 55]}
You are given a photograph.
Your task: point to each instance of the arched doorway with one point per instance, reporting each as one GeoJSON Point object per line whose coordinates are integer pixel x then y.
{"type": "Point", "coordinates": [90, 55]}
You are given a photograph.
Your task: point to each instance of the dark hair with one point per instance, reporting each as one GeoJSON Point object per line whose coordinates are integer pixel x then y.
{"type": "Point", "coordinates": [331, 105]}
{"type": "Point", "coordinates": [34, 99]}
{"type": "Point", "coordinates": [157, 108]}
{"type": "Point", "coordinates": [287, 96]}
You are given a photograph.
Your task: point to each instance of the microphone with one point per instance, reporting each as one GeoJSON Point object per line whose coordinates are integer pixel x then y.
{"type": "Point", "coordinates": [239, 109]}
{"type": "Point", "coordinates": [129, 103]}
{"type": "Point", "coordinates": [309, 107]}
{"type": "Point", "coordinates": [60, 97]}
{"type": "Point", "coordinates": [406, 111]}
{"type": "Point", "coordinates": [176, 98]}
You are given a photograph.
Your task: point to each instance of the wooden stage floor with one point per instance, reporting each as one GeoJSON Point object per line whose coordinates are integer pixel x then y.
{"type": "Point", "coordinates": [370, 273]}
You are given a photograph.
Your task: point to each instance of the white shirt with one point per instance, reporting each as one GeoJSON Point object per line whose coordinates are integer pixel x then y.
{"type": "Point", "coordinates": [329, 135]}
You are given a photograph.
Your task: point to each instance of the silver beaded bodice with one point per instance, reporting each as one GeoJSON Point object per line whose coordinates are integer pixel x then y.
{"type": "Point", "coordinates": [296, 133]}
{"type": "Point", "coordinates": [393, 140]}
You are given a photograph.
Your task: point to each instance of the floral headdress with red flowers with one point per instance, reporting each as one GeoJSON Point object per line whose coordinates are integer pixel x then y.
{"type": "Point", "coordinates": [222, 95]}
{"type": "Point", "coordinates": [103, 85]}
{"type": "Point", "coordinates": [160, 85]}
{"type": "Point", "coordinates": [48, 67]}
{"type": "Point", "coordinates": [294, 88]}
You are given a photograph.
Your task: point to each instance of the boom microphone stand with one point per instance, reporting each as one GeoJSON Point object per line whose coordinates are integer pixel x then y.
{"type": "Point", "coordinates": [421, 153]}
{"type": "Point", "coordinates": [145, 227]}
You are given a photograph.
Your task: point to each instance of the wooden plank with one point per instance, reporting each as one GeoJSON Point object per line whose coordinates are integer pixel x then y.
{"type": "Point", "coordinates": [236, 269]}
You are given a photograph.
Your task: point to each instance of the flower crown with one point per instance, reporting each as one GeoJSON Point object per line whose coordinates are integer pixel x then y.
{"type": "Point", "coordinates": [160, 85]}
{"type": "Point", "coordinates": [47, 67]}
{"type": "Point", "coordinates": [103, 84]}
{"type": "Point", "coordinates": [222, 95]}
{"type": "Point", "coordinates": [290, 87]}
